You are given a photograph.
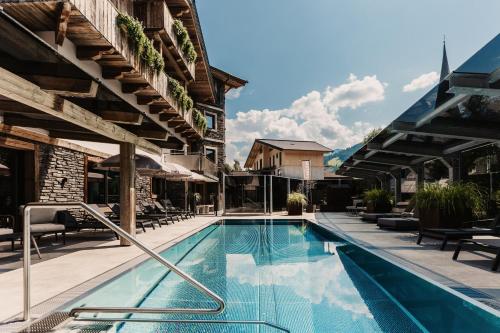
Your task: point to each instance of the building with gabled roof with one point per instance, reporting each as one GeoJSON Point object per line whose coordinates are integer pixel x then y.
{"type": "Point", "coordinates": [288, 158]}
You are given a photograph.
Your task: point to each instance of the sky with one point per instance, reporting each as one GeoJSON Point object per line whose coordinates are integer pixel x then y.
{"type": "Point", "coordinates": [332, 70]}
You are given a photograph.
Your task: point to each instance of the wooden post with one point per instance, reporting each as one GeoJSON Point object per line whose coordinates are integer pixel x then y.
{"type": "Point", "coordinates": [127, 190]}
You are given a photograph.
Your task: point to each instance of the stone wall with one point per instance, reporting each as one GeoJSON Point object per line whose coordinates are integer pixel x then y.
{"type": "Point", "coordinates": [143, 189]}
{"type": "Point", "coordinates": [62, 174]}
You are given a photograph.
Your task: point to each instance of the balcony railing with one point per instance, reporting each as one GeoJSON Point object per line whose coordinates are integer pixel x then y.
{"type": "Point", "coordinates": [194, 162]}
{"type": "Point", "coordinates": [157, 18]}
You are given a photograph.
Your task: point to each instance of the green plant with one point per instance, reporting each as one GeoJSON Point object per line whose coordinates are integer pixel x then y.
{"type": "Point", "coordinates": [180, 94]}
{"type": "Point", "coordinates": [184, 41]}
{"type": "Point", "coordinates": [456, 199]}
{"type": "Point", "coordinates": [296, 198]}
{"type": "Point", "coordinates": [379, 200]}
{"type": "Point", "coordinates": [142, 45]}
{"type": "Point", "coordinates": [199, 120]}
{"type": "Point", "coordinates": [497, 198]}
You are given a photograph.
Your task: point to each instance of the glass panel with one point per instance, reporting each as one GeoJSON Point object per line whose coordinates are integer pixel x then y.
{"type": "Point", "coordinates": [210, 121]}
{"type": "Point", "coordinates": [485, 61]}
{"type": "Point", "coordinates": [244, 194]}
{"type": "Point", "coordinates": [210, 153]}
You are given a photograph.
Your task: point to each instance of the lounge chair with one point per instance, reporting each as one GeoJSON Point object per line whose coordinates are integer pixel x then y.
{"type": "Point", "coordinates": [398, 223]}
{"type": "Point", "coordinates": [167, 204]}
{"type": "Point", "coordinates": [161, 215]}
{"type": "Point", "coordinates": [401, 209]}
{"type": "Point", "coordinates": [446, 234]}
{"type": "Point", "coordinates": [140, 221]}
{"type": "Point", "coordinates": [161, 210]}
{"type": "Point", "coordinates": [46, 221]}
{"type": "Point", "coordinates": [155, 218]}
{"type": "Point", "coordinates": [486, 245]}
{"type": "Point", "coordinates": [356, 208]}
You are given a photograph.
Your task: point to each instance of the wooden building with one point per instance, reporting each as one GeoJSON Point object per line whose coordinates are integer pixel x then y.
{"type": "Point", "coordinates": [288, 158]}
{"type": "Point", "coordinates": [78, 69]}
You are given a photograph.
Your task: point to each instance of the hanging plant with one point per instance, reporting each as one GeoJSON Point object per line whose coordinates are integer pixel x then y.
{"type": "Point", "coordinates": [199, 120]}
{"type": "Point", "coordinates": [184, 41]}
{"type": "Point", "coordinates": [180, 94]}
{"type": "Point", "coordinates": [142, 45]}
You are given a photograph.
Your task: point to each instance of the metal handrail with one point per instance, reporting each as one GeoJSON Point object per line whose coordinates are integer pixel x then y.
{"type": "Point", "coordinates": [187, 321]}
{"type": "Point", "coordinates": [74, 312]}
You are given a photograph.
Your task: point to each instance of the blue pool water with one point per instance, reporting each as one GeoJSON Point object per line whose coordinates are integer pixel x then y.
{"type": "Point", "coordinates": [293, 274]}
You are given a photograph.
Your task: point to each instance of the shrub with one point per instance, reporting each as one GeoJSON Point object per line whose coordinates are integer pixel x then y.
{"type": "Point", "coordinates": [184, 41]}
{"type": "Point", "coordinates": [380, 201]}
{"type": "Point", "coordinates": [199, 120]}
{"type": "Point", "coordinates": [296, 198]}
{"type": "Point", "coordinates": [456, 199]}
{"type": "Point", "coordinates": [142, 45]}
{"type": "Point", "coordinates": [180, 94]}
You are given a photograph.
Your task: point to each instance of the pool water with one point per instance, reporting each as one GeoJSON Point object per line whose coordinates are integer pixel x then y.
{"type": "Point", "coordinates": [294, 274]}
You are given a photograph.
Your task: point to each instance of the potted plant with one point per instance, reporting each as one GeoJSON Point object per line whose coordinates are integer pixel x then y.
{"type": "Point", "coordinates": [449, 206]}
{"type": "Point", "coordinates": [295, 203]}
{"type": "Point", "coordinates": [378, 201]}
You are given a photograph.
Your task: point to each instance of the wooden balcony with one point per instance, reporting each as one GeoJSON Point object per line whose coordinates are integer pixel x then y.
{"type": "Point", "coordinates": [159, 23]}
{"type": "Point", "coordinates": [194, 162]}
{"type": "Point", "coordinates": [91, 26]}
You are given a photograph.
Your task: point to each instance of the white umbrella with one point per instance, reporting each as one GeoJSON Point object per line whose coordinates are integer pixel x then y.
{"type": "Point", "coordinates": [4, 170]}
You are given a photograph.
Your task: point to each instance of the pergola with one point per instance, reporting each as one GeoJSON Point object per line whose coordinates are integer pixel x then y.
{"type": "Point", "coordinates": [73, 93]}
{"type": "Point", "coordinates": [461, 112]}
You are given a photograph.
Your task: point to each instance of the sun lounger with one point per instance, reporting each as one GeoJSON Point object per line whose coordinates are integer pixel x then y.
{"type": "Point", "coordinates": [356, 208]}
{"type": "Point", "coordinates": [446, 234]}
{"type": "Point", "coordinates": [398, 223]}
{"type": "Point", "coordinates": [140, 221]}
{"type": "Point", "coordinates": [167, 204]}
{"type": "Point", "coordinates": [402, 209]}
{"type": "Point", "coordinates": [161, 210]}
{"type": "Point", "coordinates": [485, 245]}
{"type": "Point", "coordinates": [156, 218]}
{"type": "Point", "coordinates": [161, 215]}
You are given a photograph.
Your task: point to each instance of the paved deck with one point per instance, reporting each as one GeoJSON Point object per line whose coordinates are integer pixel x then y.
{"type": "Point", "coordinates": [470, 275]}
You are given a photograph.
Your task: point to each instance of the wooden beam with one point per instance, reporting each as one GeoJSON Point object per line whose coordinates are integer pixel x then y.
{"type": "Point", "coordinates": [148, 99]}
{"type": "Point", "coordinates": [68, 87]}
{"type": "Point", "coordinates": [64, 12]}
{"type": "Point", "coordinates": [453, 128]}
{"type": "Point", "coordinates": [25, 92]}
{"type": "Point", "coordinates": [17, 144]}
{"type": "Point", "coordinates": [152, 134]}
{"type": "Point", "coordinates": [134, 88]}
{"type": "Point", "coordinates": [410, 148]}
{"type": "Point", "coordinates": [130, 118]}
{"type": "Point", "coordinates": [93, 52]}
{"type": "Point", "coordinates": [127, 190]}
{"type": "Point", "coordinates": [166, 116]}
{"type": "Point", "coordinates": [47, 124]}
{"type": "Point", "coordinates": [42, 138]}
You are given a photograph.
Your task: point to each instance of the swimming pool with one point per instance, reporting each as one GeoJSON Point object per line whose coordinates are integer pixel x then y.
{"type": "Point", "coordinates": [294, 274]}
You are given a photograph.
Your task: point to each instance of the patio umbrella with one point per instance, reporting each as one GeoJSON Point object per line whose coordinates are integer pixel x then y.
{"type": "Point", "coordinates": [4, 170]}
{"type": "Point", "coordinates": [144, 165]}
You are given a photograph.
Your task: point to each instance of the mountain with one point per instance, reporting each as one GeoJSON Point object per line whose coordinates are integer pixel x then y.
{"type": "Point", "coordinates": [334, 159]}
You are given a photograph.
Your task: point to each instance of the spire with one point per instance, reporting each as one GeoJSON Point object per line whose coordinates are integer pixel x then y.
{"type": "Point", "coordinates": [445, 69]}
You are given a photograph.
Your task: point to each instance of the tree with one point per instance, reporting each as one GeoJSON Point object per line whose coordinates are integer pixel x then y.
{"type": "Point", "coordinates": [373, 133]}
{"type": "Point", "coordinates": [237, 166]}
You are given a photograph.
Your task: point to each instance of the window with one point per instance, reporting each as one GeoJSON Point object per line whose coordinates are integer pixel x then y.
{"type": "Point", "coordinates": [211, 120]}
{"type": "Point", "coordinates": [274, 161]}
{"type": "Point", "coordinates": [211, 154]}
{"type": "Point", "coordinates": [279, 158]}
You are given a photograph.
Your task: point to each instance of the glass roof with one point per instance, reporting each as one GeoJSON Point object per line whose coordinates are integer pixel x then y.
{"type": "Point", "coordinates": [485, 61]}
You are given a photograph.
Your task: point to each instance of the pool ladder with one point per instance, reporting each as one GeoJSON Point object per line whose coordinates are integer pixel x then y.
{"type": "Point", "coordinates": [127, 310]}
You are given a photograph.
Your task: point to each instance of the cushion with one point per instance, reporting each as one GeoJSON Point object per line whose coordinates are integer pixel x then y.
{"type": "Point", "coordinates": [398, 223]}
{"type": "Point", "coordinates": [47, 227]}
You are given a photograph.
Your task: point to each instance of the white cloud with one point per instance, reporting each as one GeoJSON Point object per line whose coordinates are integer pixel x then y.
{"type": "Point", "coordinates": [421, 82]}
{"type": "Point", "coordinates": [234, 93]}
{"type": "Point", "coordinates": [311, 117]}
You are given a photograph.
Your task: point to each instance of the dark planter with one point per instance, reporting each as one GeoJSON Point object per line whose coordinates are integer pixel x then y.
{"type": "Point", "coordinates": [310, 208]}
{"type": "Point", "coordinates": [294, 209]}
{"type": "Point", "coordinates": [378, 207]}
{"type": "Point", "coordinates": [434, 218]}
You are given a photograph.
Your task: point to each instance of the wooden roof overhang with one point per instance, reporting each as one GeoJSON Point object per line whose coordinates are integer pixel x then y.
{"type": "Point", "coordinates": [203, 87]}
{"type": "Point", "coordinates": [86, 31]}
{"type": "Point", "coordinates": [230, 81]}
{"type": "Point", "coordinates": [39, 89]}
{"type": "Point", "coordinates": [461, 112]}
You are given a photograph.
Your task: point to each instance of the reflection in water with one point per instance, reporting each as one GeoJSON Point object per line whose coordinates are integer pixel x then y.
{"type": "Point", "coordinates": [322, 281]}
